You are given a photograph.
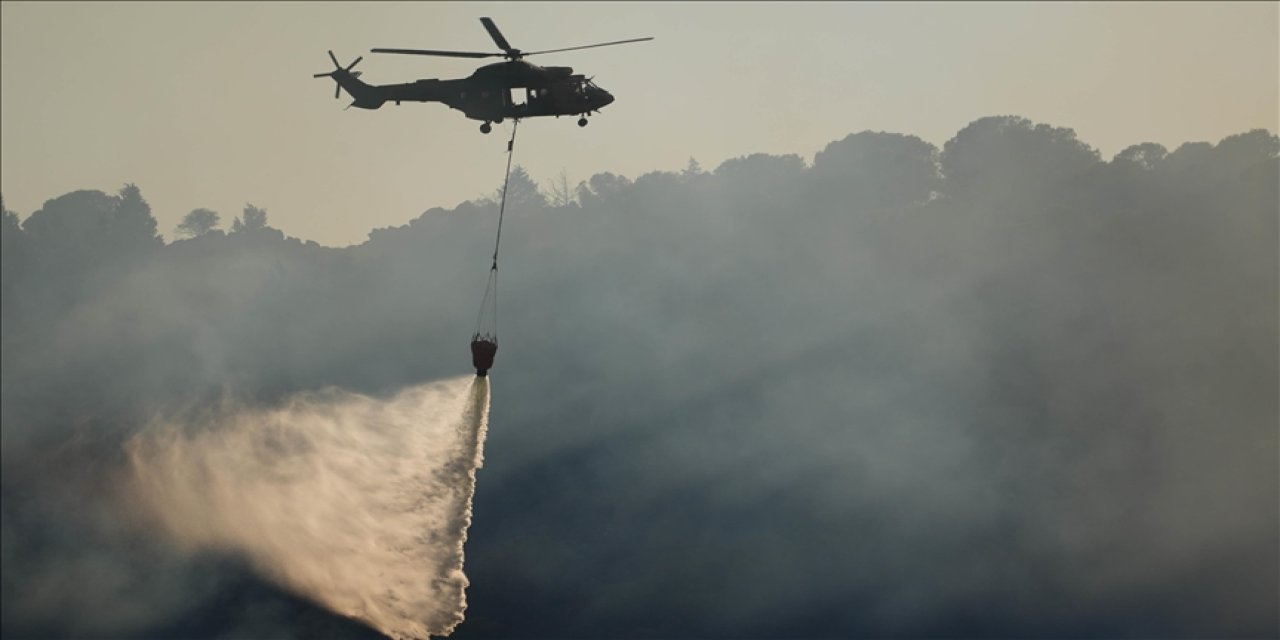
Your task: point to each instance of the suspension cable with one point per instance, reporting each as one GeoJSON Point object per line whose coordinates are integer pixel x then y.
{"type": "Point", "coordinates": [490, 302]}
{"type": "Point", "coordinates": [502, 208]}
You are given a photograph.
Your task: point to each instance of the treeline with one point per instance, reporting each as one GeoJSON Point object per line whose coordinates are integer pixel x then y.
{"type": "Point", "coordinates": [867, 395]}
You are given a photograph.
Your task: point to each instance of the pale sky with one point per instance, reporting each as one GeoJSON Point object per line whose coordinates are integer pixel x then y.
{"type": "Point", "coordinates": [213, 104]}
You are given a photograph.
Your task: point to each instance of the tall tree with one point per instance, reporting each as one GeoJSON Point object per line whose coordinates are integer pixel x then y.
{"type": "Point", "coordinates": [561, 193]}
{"type": "Point", "coordinates": [254, 218]}
{"type": "Point", "coordinates": [522, 191]}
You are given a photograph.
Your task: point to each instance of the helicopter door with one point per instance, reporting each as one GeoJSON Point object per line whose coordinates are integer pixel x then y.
{"type": "Point", "coordinates": [517, 99]}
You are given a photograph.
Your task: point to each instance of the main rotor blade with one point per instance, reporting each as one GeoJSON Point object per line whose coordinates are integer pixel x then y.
{"type": "Point", "coordinates": [496, 35]}
{"type": "Point", "coordinates": [588, 46]}
{"type": "Point", "coordinates": [334, 59]}
{"type": "Point", "coordinates": [446, 54]}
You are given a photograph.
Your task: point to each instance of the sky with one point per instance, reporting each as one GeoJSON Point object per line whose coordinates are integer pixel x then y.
{"type": "Point", "coordinates": [213, 104]}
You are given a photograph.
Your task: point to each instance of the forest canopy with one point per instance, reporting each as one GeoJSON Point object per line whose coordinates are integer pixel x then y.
{"type": "Point", "coordinates": [864, 396]}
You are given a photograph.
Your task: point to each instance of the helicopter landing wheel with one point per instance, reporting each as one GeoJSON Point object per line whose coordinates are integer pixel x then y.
{"type": "Point", "coordinates": [497, 121]}
{"type": "Point", "coordinates": [486, 128]}
{"type": "Point", "coordinates": [582, 122]}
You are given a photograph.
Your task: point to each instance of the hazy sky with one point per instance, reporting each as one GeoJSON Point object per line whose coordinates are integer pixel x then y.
{"type": "Point", "coordinates": [213, 104]}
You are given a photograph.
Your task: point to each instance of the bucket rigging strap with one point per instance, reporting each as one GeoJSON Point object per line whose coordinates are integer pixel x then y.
{"type": "Point", "coordinates": [487, 318]}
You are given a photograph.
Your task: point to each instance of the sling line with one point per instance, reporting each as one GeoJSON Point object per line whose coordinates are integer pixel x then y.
{"type": "Point", "coordinates": [489, 305]}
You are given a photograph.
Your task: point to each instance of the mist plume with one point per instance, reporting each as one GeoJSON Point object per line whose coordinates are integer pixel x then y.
{"type": "Point", "coordinates": [358, 503]}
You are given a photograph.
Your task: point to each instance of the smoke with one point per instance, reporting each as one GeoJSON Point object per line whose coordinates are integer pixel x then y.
{"type": "Point", "coordinates": [358, 503]}
{"type": "Point", "coordinates": [1000, 389]}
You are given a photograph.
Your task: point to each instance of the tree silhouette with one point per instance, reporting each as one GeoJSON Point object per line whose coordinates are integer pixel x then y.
{"type": "Point", "coordinates": [562, 195]}
{"type": "Point", "coordinates": [13, 257]}
{"type": "Point", "coordinates": [601, 186]}
{"type": "Point", "coordinates": [91, 230]}
{"type": "Point", "coordinates": [692, 169]}
{"type": "Point", "coordinates": [198, 223]}
{"type": "Point", "coordinates": [1009, 160]}
{"type": "Point", "coordinates": [254, 219]}
{"type": "Point", "coordinates": [522, 192]}
{"type": "Point", "coordinates": [1147, 155]}
{"type": "Point", "coordinates": [131, 222]}
{"type": "Point", "coordinates": [878, 169]}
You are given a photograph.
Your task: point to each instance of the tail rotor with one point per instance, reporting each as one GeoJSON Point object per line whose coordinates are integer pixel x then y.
{"type": "Point", "coordinates": [339, 72]}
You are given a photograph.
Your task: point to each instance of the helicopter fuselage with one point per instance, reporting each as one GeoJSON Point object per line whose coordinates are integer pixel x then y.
{"type": "Point", "coordinates": [513, 89]}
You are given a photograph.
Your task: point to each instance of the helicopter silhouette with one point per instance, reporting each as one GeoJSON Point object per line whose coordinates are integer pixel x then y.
{"type": "Point", "coordinates": [513, 89]}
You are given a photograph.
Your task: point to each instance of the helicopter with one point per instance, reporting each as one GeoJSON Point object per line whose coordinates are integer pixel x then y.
{"type": "Point", "coordinates": [512, 89]}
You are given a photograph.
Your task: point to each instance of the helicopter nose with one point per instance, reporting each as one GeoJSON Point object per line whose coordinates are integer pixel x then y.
{"type": "Point", "coordinates": [605, 97]}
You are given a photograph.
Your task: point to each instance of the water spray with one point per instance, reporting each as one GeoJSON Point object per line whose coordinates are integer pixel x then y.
{"type": "Point", "coordinates": [357, 503]}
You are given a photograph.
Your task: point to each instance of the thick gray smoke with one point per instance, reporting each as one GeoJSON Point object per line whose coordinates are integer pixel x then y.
{"type": "Point", "coordinates": [359, 503]}
{"type": "Point", "coordinates": [1001, 388]}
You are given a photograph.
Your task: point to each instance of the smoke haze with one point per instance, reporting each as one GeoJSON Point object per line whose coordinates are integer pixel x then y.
{"type": "Point", "coordinates": [1002, 388]}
